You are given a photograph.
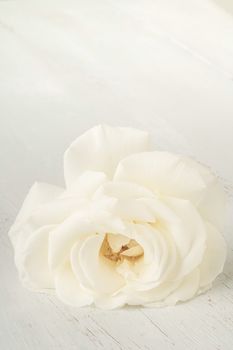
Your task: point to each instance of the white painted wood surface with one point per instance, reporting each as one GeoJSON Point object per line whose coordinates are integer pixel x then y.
{"type": "Point", "coordinates": [166, 66]}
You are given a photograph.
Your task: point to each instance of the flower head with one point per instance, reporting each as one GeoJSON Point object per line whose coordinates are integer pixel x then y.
{"type": "Point", "coordinates": [132, 226]}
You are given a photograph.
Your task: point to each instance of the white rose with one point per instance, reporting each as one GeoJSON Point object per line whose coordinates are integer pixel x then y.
{"type": "Point", "coordinates": [131, 227]}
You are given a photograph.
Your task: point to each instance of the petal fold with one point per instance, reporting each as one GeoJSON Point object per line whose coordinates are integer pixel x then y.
{"type": "Point", "coordinates": [32, 261]}
{"type": "Point", "coordinates": [100, 149]}
{"type": "Point", "coordinates": [214, 256]}
{"type": "Point", "coordinates": [68, 288]}
{"type": "Point", "coordinates": [38, 195]}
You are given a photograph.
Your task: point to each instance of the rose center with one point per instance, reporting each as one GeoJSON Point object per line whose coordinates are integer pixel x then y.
{"type": "Point", "coordinates": [117, 248]}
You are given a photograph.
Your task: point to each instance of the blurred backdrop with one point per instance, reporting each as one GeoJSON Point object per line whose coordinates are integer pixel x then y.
{"type": "Point", "coordinates": [163, 66]}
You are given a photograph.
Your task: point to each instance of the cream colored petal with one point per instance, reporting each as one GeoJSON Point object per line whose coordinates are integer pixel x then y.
{"type": "Point", "coordinates": [188, 233]}
{"type": "Point", "coordinates": [127, 270]}
{"type": "Point", "coordinates": [75, 265]}
{"type": "Point", "coordinates": [214, 256]}
{"type": "Point", "coordinates": [186, 290]}
{"type": "Point", "coordinates": [117, 241]}
{"type": "Point", "coordinates": [128, 204]}
{"type": "Point", "coordinates": [100, 149]}
{"type": "Point", "coordinates": [157, 261]}
{"type": "Point", "coordinates": [55, 212]}
{"type": "Point", "coordinates": [86, 184]}
{"type": "Point", "coordinates": [173, 175]}
{"type": "Point", "coordinates": [186, 229]}
{"type": "Point", "coordinates": [171, 292]}
{"type": "Point", "coordinates": [99, 271]}
{"type": "Point", "coordinates": [111, 302]}
{"type": "Point", "coordinates": [212, 203]}
{"type": "Point", "coordinates": [133, 210]}
{"type": "Point", "coordinates": [133, 252]}
{"type": "Point", "coordinates": [153, 296]}
{"type": "Point", "coordinates": [39, 194]}
{"type": "Point", "coordinates": [123, 191]}
{"type": "Point", "coordinates": [51, 213]}
{"type": "Point", "coordinates": [32, 261]}
{"type": "Point", "coordinates": [162, 172]}
{"type": "Point", "coordinates": [68, 288]}
{"type": "Point", "coordinates": [63, 238]}
{"type": "Point", "coordinates": [173, 247]}
{"type": "Point", "coordinates": [77, 226]}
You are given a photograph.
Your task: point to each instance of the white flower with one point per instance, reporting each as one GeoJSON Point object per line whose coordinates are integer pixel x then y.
{"type": "Point", "coordinates": [132, 226]}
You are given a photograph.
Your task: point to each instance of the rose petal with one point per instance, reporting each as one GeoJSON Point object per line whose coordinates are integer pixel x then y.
{"type": "Point", "coordinates": [153, 295]}
{"type": "Point", "coordinates": [189, 234]}
{"type": "Point", "coordinates": [68, 288]}
{"type": "Point", "coordinates": [39, 194]}
{"type": "Point", "coordinates": [51, 213]}
{"type": "Point", "coordinates": [117, 241]}
{"type": "Point", "coordinates": [99, 271]}
{"type": "Point", "coordinates": [162, 172]}
{"type": "Point", "coordinates": [134, 210]}
{"type": "Point", "coordinates": [77, 226]}
{"type": "Point", "coordinates": [123, 190]}
{"type": "Point", "coordinates": [55, 212]}
{"type": "Point", "coordinates": [111, 302]}
{"type": "Point", "coordinates": [75, 265]}
{"type": "Point", "coordinates": [214, 256]}
{"type": "Point", "coordinates": [86, 184]}
{"type": "Point", "coordinates": [186, 229]}
{"type": "Point", "coordinates": [133, 252]}
{"type": "Point", "coordinates": [128, 204]}
{"type": "Point", "coordinates": [158, 258]}
{"type": "Point", "coordinates": [100, 149]}
{"type": "Point", "coordinates": [187, 289]}
{"type": "Point", "coordinates": [212, 203]}
{"type": "Point", "coordinates": [32, 262]}
{"type": "Point", "coordinates": [169, 293]}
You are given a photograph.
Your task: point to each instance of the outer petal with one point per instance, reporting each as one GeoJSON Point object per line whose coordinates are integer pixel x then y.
{"type": "Point", "coordinates": [188, 233]}
{"type": "Point", "coordinates": [111, 302]}
{"type": "Point", "coordinates": [32, 262]}
{"type": "Point", "coordinates": [162, 172]}
{"type": "Point", "coordinates": [153, 296]}
{"type": "Point", "coordinates": [214, 256]}
{"type": "Point", "coordinates": [68, 288]}
{"type": "Point", "coordinates": [100, 149]}
{"type": "Point", "coordinates": [39, 194]}
{"type": "Point", "coordinates": [182, 222]}
{"type": "Point", "coordinates": [169, 293]}
{"type": "Point", "coordinates": [177, 176]}
{"type": "Point", "coordinates": [186, 290]}
{"type": "Point", "coordinates": [212, 204]}
{"type": "Point", "coordinates": [57, 210]}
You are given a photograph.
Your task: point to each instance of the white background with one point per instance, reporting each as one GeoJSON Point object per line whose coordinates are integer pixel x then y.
{"type": "Point", "coordinates": [163, 66]}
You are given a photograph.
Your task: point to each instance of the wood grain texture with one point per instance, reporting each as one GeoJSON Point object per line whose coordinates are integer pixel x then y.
{"type": "Point", "coordinates": [61, 72]}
